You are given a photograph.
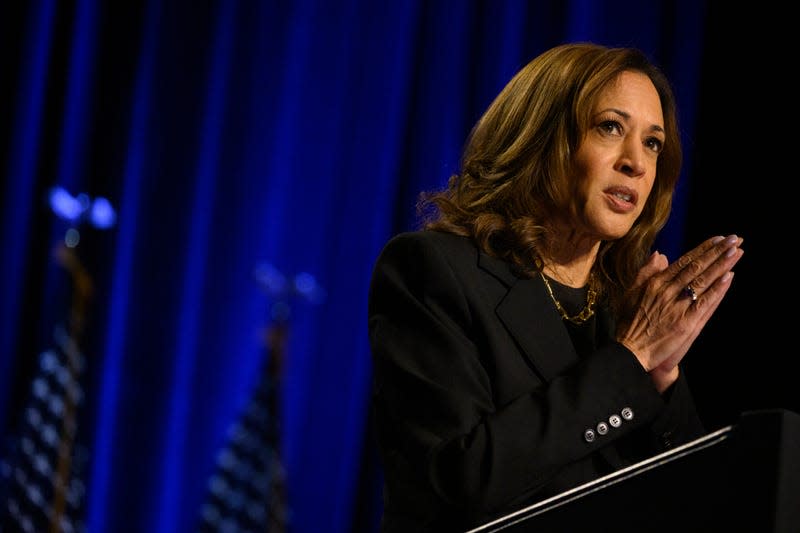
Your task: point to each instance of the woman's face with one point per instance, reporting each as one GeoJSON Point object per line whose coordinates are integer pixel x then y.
{"type": "Point", "coordinates": [616, 159]}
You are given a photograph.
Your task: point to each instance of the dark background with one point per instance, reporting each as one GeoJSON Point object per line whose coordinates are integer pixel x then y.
{"type": "Point", "coordinates": [741, 182]}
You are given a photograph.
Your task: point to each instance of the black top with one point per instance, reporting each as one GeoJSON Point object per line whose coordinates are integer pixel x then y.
{"type": "Point", "coordinates": [573, 300]}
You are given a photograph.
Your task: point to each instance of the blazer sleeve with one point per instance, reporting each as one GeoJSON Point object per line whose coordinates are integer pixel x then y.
{"type": "Point", "coordinates": [438, 422]}
{"type": "Point", "coordinates": [678, 423]}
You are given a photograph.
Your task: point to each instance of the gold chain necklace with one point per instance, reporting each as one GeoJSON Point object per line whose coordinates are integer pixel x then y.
{"type": "Point", "coordinates": [586, 313]}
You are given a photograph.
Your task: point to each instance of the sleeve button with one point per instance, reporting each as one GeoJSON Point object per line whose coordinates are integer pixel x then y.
{"type": "Point", "coordinates": [627, 413]}
{"type": "Point", "coordinates": [588, 435]}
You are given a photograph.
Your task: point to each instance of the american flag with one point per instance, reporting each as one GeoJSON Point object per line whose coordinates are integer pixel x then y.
{"type": "Point", "coordinates": [247, 492]}
{"type": "Point", "coordinates": [42, 475]}
{"type": "Point", "coordinates": [42, 471]}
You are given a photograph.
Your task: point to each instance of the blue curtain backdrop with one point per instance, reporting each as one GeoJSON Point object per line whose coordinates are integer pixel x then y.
{"type": "Point", "coordinates": [233, 134]}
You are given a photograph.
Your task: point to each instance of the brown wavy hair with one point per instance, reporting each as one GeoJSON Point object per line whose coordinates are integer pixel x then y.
{"type": "Point", "coordinates": [516, 170]}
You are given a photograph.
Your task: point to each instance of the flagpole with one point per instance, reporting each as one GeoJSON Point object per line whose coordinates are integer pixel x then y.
{"type": "Point", "coordinates": [82, 288]}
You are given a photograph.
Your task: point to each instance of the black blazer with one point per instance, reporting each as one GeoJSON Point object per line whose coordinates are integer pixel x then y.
{"type": "Point", "coordinates": [481, 403]}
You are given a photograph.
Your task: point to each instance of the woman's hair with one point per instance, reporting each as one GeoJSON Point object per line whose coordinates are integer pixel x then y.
{"type": "Point", "coordinates": [516, 170]}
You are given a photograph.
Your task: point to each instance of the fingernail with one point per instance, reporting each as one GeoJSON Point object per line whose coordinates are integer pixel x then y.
{"type": "Point", "coordinates": [732, 239]}
{"type": "Point", "coordinates": [726, 277]}
{"type": "Point", "coordinates": [717, 239]}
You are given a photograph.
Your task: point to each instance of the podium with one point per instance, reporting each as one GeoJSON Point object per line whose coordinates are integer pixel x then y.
{"type": "Point", "coordinates": [744, 477]}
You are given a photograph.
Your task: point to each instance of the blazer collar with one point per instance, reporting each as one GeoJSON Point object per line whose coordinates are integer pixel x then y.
{"type": "Point", "coordinates": [533, 321]}
{"type": "Point", "coordinates": [498, 268]}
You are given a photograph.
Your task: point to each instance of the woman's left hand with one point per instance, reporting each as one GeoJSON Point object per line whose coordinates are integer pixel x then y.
{"type": "Point", "coordinates": [669, 304]}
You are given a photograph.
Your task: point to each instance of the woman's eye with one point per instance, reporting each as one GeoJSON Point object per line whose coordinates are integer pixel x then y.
{"type": "Point", "coordinates": [655, 144]}
{"type": "Point", "coordinates": [610, 126]}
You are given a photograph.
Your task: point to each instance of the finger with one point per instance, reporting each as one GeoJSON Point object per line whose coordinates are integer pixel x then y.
{"type": "Point", "coordinates": [709, 300]}
{"type": "Point", "coordinates": [697, 252]}
{"type": "Point", "coordinates": [665, 281]}
{"type": "Point", "coordinates": [703, 265]}
{"type": "Point", "coordinates": [718, 269]}
{"type": "Point", "coordinates": [694, 257]}
{"type": "Point", "coordinates": [656, 263]}
{"type": "Point", "coordinates": [701, 312]}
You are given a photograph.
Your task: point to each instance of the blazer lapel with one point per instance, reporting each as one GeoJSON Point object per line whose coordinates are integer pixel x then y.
{"type": "Point", "coordinates": [532, 320]}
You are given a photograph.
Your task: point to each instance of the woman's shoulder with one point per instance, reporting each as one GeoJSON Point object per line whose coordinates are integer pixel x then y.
{"type": "Point", "coordinates": [428, 247]}
{"type": "Point", "coordinates": [431, 238]}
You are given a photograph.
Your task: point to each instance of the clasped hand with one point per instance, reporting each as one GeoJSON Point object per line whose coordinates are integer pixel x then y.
{"type": "Point", "coordinates": [671, 303]}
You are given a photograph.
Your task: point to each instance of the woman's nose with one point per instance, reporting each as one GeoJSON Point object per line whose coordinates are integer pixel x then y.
{"type": "Point", "coordinates": [632, 159]}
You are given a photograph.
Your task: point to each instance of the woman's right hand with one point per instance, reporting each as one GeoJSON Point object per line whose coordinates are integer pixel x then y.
{"type": "Point", "coordinates": [663, 320]}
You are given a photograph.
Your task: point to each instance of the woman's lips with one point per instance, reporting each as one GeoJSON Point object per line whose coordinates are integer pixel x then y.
{"type": "Point", "coordinates": [622, 199]}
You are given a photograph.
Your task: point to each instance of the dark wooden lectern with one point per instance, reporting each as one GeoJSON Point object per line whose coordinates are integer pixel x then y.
{"type": "Point", "coordinates": [744, 477]}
